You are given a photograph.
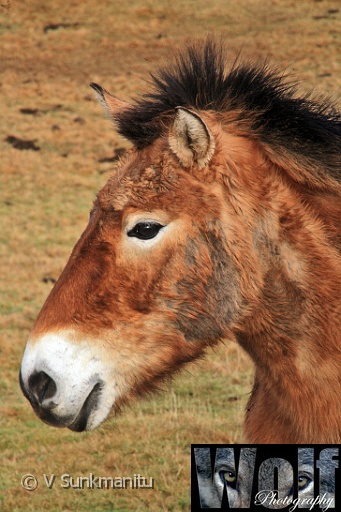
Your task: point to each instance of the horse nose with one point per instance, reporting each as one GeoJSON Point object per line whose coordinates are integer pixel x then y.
{"type": "Point", "coordinates": [41, 389]}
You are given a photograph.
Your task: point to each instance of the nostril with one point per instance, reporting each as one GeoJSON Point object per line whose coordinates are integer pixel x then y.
{"type": "Point", "coordinates": [42, 387]}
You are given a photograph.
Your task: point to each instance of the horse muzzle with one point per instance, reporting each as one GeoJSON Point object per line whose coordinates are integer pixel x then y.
{"type": "Point", "coordinates": [66, 385]}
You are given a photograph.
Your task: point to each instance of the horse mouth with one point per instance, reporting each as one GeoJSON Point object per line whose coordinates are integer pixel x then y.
{"type": "Point", "coordinates": [90, 405]}
{"type": "Point", "coordinates": [48, 415]}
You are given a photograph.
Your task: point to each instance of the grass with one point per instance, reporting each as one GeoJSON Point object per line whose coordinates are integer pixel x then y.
{"type": "Point", "coordinates": [49, 54]}
{"type": "Point", "coordinates": [151, 438]}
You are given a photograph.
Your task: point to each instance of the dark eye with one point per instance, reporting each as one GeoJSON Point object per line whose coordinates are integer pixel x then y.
{"type": "Point", "coordinates": [145, 230]}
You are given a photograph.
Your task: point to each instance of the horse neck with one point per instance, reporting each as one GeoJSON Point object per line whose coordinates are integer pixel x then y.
{"type": "Point", "coordinates": [296, 252]}
{"type": "Point", "coordinates": [292, 329]}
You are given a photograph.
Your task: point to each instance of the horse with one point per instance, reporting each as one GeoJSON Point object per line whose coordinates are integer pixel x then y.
{"type": "Point", "coordinates": [246, 480]}
{"type": "Point", "coordinates": [221, 222]}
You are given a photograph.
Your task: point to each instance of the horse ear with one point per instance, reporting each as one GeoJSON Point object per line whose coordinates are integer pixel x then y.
{"type": "Point", "coordinates": [190, 139]}
{"type": "Point", "coordinates": [111, 104]}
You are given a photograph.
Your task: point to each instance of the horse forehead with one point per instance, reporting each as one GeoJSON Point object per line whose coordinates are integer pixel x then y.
{"type": "Point", "coordinates": [154, 180]}
{"type": "Point", "coordinates": [137, 180]}
{"type": "Point", "coordinates": [127, 193]}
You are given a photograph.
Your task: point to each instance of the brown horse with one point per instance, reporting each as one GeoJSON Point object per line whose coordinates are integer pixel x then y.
{"type": "Point", "coordinates": [222, 221]}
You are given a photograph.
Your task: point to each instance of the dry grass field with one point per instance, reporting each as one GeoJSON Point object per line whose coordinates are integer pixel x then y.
{"type": "Point", "coordinates": [56, 150]}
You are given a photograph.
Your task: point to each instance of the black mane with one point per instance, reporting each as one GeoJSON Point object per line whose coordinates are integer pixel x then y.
{"type": "Point", "coordinates": [199, 80]}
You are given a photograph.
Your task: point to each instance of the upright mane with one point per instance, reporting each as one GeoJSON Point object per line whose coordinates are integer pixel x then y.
{"type": "Point", "coordinates": [260, 97]}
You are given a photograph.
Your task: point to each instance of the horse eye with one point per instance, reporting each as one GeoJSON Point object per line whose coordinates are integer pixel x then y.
{"type": "Point", "coordinates": [303, 482]}
{"type": "Point", "coordinates": [228, 477]}
{"type": "Point", "coordinates": [145, 230]}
